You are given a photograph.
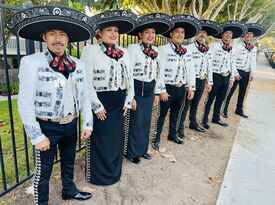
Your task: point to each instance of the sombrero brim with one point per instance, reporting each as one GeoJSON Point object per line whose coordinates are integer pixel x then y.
{"type": "Point", "coordinates": [238, 31]}
{"type": "Point", "coordinates": [160, 27]}
{"type": "Point", "coordinates": [75, 31]}
{"type": "Point", "coordinates": [190, 29]}
{"type": "Point", "coordinates": [123, 26]}
{"type": "Point", "coordinates": [257, 31]}
{"type": "Point", "coordinates": [31, 23]}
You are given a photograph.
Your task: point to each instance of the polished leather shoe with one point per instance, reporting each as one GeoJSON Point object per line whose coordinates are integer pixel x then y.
{"type": "Point", "coordinates": [181, 135]}
{"type": "Point", "coordinates": [80, 196]}
{"type": "Point", "coordinates": [198, 128]}
{"type": "Point", "coordinates": [206, 125]}
{"type": "Point", "coordinates": [155, 146]}
{"type": "Point", "coordinates": [241, 114]}
{"type": "Point", "coordinates": [147, 156]}
{"type": "Point", "coordinates": [135, 160]}
{"type": "Point", "coordinates": [220, 122]}
{"type": "Point", "coordinates": [225, 115]}
{"type": "Point", "coordinates": [176, 140]}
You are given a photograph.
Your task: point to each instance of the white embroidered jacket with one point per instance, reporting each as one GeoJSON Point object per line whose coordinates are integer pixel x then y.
{"type": "Point", "coordinates": [223, 61]}
{"type": "Point", "coordinates": [42, 90]}
{"type": "Point", "coordinates": [246, 59]}
{"type": "Point", "coordinates": [107, 74]}
{"type": "Point", "coordinates": [202, 63]}
{"type": "Point", "coordinates": [145, 68]}
{"type": "Point", "coordinates": [177, 68]}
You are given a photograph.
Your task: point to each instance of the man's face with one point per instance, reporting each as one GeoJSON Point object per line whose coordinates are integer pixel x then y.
{"type": "Point", "coordinates": [56, 40]}
{"type": "Point", "coordinates": [227, 36]}
{"type": "Point", "coordinates": [177, 35]}
{"type": "Point", "coordinates": [248, 37]}
{"type": "Point", "coordinates": [202, 36]}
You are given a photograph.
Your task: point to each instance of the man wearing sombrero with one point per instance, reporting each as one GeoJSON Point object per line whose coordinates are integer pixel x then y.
{"type": "Point", "coordinates": [52, 90]}
{"type": "Point", "coordinates": [224, 70]}
{"type": "Point", "coordinates": [179, 74]}
{"type": "Point", "coordinates": [202, 58]}
{"type": "Point", "coordinates": [245, 62]}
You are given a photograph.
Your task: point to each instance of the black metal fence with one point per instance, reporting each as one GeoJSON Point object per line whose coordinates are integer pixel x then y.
{"type": "Point", "coordinates": [16, 152]}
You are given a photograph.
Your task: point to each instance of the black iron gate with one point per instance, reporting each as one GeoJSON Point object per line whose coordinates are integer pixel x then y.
{"type": "Point", "coordinates": [16, 152]}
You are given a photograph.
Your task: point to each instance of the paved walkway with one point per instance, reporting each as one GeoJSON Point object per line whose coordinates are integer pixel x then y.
{"type": "Point", "coordinates": [250, 175]}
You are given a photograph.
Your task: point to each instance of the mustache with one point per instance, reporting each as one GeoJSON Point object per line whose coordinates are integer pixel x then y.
{"type": "Point", "coordinates": [54, 44]}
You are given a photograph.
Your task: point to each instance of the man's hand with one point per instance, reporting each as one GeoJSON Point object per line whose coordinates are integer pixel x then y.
{"type": "Point", "coordinates": [134, 105]}
{"type": "Point", "coordinates": [43, 145]}
{"type": "Point", "coordinates": [190, 95]}
{"type": "Point", "coordinates": [164, 97]}
{"type": "Point", "coordinates": [85, 134]}
{"type": "Point", "coordinates": [208, 88]}
{"type": "Point", "coordinates": [156, 100]}
{"type": "Point", "coordinates": [231, 83]}
{"type": "Point", "coordinates": [101, 115]}
{"type": "Point", "coordinates": [238, 77]}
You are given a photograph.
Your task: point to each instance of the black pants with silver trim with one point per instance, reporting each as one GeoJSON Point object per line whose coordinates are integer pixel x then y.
{"type": "Point", "coordinates": [64, 137]}
{"type": "Point", "coordinates": [243, 83]}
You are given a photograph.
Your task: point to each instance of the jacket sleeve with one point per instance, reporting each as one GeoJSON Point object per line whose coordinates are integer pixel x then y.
{"type": "Point", "coordinates": [26, 97]}
{"type": "Point", "coordinates": [86, 105]}
{"type": "Point", "coordinates": [130, 92]}
{"type": "Point", "coordinates": [160, 84]}
{"type": "Point", "coordinates": [86, 58]}
{"type": "Point", "coordinates": [232, 63]}
{"type": "Point", "coordinates": [191, 74]}
{"type": "Point", "coordinates": [253, 61]}
{"type": "Point", "coordinates": [209, 66]}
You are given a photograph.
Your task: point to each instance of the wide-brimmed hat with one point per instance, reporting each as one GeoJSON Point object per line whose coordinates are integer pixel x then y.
{"type": "Point", "coordinates": [237, 27]}
{"type": "Point", "coordinates": [159, 21]}
{"type": "Point", "coordinates": [126, 21]}
{"type": "Point", "coordinates": [256, 29]}
{"type": "Point", "coordinates": [190, 24]}
{"type": "Point", "coordinates": [212, 28]}
{"type": "Point", "coordinates": [31, 23]}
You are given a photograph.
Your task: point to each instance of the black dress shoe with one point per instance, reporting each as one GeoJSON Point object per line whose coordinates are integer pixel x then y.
{"type": "Point", "coordinates": [80, 196]}
{"type": "Point", "coordinates": [181, 135]}
{"type": "Point", "coordinates": [220, 122]}
{"type": "Point", "coordinates": [147, 156]}
{"type": "Point", "coordinates": [198, 128]}
{"type": "Point", "coordinates": [135, 160]}
{"type": "Point", "coordinates": [155, 146]}
{"type": "Point", "coordinates": [241, 114]}
{"type": "Point", "coordinates": [176, 140]}
{"type": "Point", "coordinates": [206, 125]}
{"type": "Point", "coordinates": [225, 115]}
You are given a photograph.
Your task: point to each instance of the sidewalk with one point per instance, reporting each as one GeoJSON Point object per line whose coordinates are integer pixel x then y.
{"type": "Point", "coordinates": [250, 174]}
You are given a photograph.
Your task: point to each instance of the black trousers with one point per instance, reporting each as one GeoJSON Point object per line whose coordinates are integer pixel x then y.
{"type": "Point", "coordinates": [193, 104]}
{"type": "Point", "coordinates": [218, 93]}
{"type": "Point", "coordinates": [243, 83]}
{"type": "Point", "coordinates": [175, 104]}
{"type": "Point", "coordinates": [64, 137]}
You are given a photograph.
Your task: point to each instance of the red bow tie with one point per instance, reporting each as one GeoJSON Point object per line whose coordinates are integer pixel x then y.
{"type": "Point", "coordinates": [180, 50]}
{"type": "Point", "coordinates": [113, 52]}
{"type": "Point", "coordinates": [227, 47]}
{"type": "Point", "coordinates": [249, 46]}
{"type": "Point", "coordinates": [202, 47]}
{"type": "Point", "coordinates": [150, 52]}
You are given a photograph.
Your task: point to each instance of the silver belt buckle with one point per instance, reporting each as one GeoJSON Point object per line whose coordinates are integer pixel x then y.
{"type": "Point", "coordinates": [67, 119]}
{"type": "Point", "coordinates": [179, 85]}
{"type": "Point", "coordinates": [203, 77]}
{"type": "Point", "coordinates": [226, 74]}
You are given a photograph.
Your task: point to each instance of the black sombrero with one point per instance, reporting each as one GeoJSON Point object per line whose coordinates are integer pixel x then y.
{"type": "Point", "coordinates": [31, 23]}
{"type": "Point", "coordinates": [126, 21]}
{"type": "Point", "coordinates": [190, 24]}
{"type": "Point", "coordinates": [212, 28]}
{"type": "Point", "coordinates": [159, 21]}
{"type": "Point", "coordinates": [237, 27]}
{"type": "Point", "coordinates": [256, 29]}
